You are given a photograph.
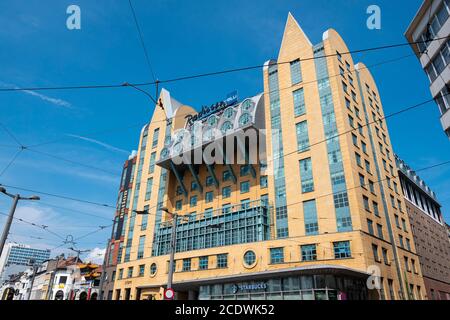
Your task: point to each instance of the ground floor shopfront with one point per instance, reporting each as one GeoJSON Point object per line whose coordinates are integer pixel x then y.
{"type": "Point", "coordinates": [330, 283]}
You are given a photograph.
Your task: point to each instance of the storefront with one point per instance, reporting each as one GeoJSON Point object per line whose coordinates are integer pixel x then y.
{"type": "Point", "coordinates": [310, 283]}
{"type": "Point", "coordinates": [305, 287]}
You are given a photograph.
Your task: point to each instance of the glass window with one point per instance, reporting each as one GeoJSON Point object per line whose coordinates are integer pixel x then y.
{"type": "Point", "coordinates": [209, 196]}
{"type": "Point", "coordinates": [366, 203]}
{"type": "Point", "coordinates": [186, 264]}
{"type": "Point", "coordinates": [245, 186]}
{"type": "Point", "coordinates": [226, 126]}
{"type": "Point", "coordinates": [276, 255]}
{"type": "Point", "coordinates": [310, 216]}
{"type": "Point", "coordinates": [148, 191]}
{"type": "Point", "coordinates": [130, 272]}
{"type": "Point", "coordinates": [193, 201]}
{"type": "Point", "coordinates": [209, 181]}
{"type": "Point", "coordinates": [155, 138]}
{"type": "Point", "coordinates": [245, 170]}
{"type": "Point", "coordinates": [249, 258]}
{"type": "Point", "coordinates": [358, 159]}
{"type": "Point", "coordinates": [222, 260]}
{"type": "Point", "coordinates": [244, 119]}
{"type": "Point", "coordinates": [141, 270]}
{"type": "Point", "coordinates": [309, 252]}
{"type": "Point", "coordinates": [375, 252]}
{"type": "Point", "coordinates": [355, 140]}
{"type": "Point", "coordinates": [203, 263]}
{"type": "Point", "coordinates": [140, 253]}
{"type": "Point", "coordinates": [299, 102]}
{"type": "Point", "coordinates": [178, 204]}
{"type": "Point", "coordinates": [341, 200]}
{"type": "Point", "coordinates": [302, 136]}
{"type": "Point", "coordinates": [370, 226]}
{"type": "Point", "coordinates": [263, 182]}
{"type": "Point", "coordinates": [306, 175]}
{"type": "Point", "coordinates": [296, 73]}
{"type": "Point", "coordinates": [342, 249]}
{"type": "Point", "coordinates": [226, 175]}
{"type": "Point", "coordinates": [226, 192]}
{"type": "Point", "coordinates": [375, 208]}
{"type": "Point", "coordinates": [194, 186]}
{"type": "Point", "coordinates": [380, 231]}
{"type": "Point", "coordinates": [153, 269]}
{"type": "Point", "coordinates": [151, 167]}
{"type": "Point", "coordinates": [385, 256]}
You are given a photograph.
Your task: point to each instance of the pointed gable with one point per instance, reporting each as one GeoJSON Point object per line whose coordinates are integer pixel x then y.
{"type": "Point", "coordinates": [294, 40]}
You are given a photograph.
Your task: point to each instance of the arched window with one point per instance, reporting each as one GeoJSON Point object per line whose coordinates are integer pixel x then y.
{"type": "Point", "coordinates": [226, 126]}
{"type": "Point", "coordinates": [244, 119]}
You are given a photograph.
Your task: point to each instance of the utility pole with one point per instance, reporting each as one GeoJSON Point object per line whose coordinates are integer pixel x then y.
{"type": "Point", "coordinates": [78, 251]}
{"type": "Point", "coordinates": [173, 243]}
{"type": "Point", "coordinates": [33, 263]}
{"type": "Point", "coordinates": [16, 198]}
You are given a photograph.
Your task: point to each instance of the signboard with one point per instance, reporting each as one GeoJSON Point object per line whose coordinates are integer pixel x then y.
{"type": "Point", "coordinates": [249, 287]}
{"type": "Point", "coordinates": [205, 112]}
{"type": "Point", "coordinates": [169, 294]}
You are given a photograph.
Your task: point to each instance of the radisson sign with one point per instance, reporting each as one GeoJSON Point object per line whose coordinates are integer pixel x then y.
{"type": "Point", "coordinates": [231, 99]}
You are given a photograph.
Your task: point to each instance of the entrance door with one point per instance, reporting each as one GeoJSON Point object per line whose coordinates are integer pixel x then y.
{"type": "Point", "coordinates": [127, 294]}
{"type": "Point", "coordinates": [138, 294]}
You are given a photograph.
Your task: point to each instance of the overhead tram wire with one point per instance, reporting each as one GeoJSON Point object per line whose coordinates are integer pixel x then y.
{"type": "Point", "coordinates": [60, 196]}
{"type": "Point", "coordinates": [73, 210]}
{"type": "Point", "coordinates": [115, 129]}
{"type": "Point", "coordinates": [72, 161]}
{"type": "Point", "coordinates": [141, 38]}
{"type": "Point", "coordinates": [295, 151]}
{"type": "Point", "coordinates": [401, 111]}
{"type": "Point", "coordinates": [333, 193]}
{"type": "Point", "coordinates": [16, 155]}
{"type": "Point", "coordinates": [11, 134]}
{"type": "Point", "coordinates": [43, 227]}
{"type": "Point", "coordinates": [105, 205]}
{"type": "Point", "coordinates": [207, 74]}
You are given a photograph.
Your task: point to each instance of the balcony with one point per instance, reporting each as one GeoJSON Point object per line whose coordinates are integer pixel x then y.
{"type": "Point", "coordinates": [234, 224]}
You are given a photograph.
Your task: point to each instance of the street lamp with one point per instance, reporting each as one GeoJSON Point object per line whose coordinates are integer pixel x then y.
{"type": "Point", "coordinates": [172, 245]}
{"type": "Point", "coordinates": [16, 198]}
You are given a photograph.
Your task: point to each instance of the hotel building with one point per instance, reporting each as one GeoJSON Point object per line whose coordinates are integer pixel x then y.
{"type": "Point", "coordinates": [307, 212]}
{"type": "Point", "coordinates": [430, 23]}
{"type": "Point", "coordinates": [429, 232]}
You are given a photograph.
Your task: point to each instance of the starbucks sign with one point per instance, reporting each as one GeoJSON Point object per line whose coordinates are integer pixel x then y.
{"type": "Point", "coordinates": [248, 287]}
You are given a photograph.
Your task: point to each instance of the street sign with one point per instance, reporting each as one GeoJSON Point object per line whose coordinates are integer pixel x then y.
{"type": "Point", "coordinates": [169, 294]}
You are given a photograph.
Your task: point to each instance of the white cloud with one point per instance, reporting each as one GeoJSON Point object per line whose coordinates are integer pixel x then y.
{"type": "Point", "coordinates": [95, 256]}
{"type": "Point", "coordinates": [54, 101]}
{"type": "Point", "coordinates": [107, 146]}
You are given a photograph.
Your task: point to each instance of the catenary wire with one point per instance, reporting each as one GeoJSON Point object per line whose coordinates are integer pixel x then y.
{"type": "Point", "coordinates": [215, 72]}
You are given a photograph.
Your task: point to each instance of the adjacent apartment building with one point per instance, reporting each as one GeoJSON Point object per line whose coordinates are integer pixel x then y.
{"type": "Point", "coordinates": [430, 23]}
{"type": "Point", "coordinates": [306, 212]}
{"type": "Point", "coordinates": [116, 240]}
{"type": "Point", "coordinates": [429, 232]}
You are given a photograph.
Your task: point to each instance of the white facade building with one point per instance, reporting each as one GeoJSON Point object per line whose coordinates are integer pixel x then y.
{"type": "Point", "coordinates": [432, 23]}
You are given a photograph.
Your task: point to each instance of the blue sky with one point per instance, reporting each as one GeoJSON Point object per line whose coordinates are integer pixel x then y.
{"type": "Point", "coordinates": [182, 37]}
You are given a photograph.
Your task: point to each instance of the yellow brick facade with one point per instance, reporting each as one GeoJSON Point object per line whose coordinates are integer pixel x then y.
{"type": "Point", "coordinates": [295, 45]}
